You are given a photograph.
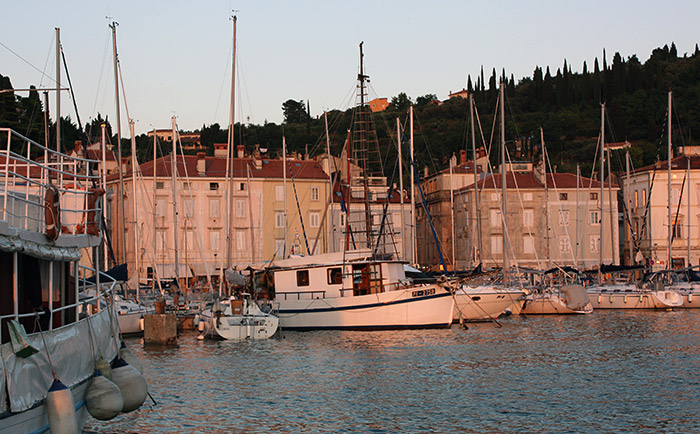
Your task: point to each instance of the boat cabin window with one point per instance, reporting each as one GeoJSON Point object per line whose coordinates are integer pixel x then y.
{"type": "Point", "coordinates": [366, 279]}
{"type": "Point", "coordinates": [303, 278]}
{"type": "Point", "coordinates": [335, 276]}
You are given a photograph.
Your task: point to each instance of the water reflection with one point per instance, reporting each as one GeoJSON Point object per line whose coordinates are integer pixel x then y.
{"type": "Point", "coordinates": [613, 371]}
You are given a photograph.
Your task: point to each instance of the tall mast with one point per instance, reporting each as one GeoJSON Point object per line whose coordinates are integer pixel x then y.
{"type": "Point", "coordinates": [229, 162]}
{"type": "Point", "coordinates": [546, 199]}
{"type": "Point", "coordinates": [331, 224]}
{"type": "Point", "coordinates": [477, 210]}
{"type": "Point", "coordinates": [670, 156]}
{"type": "Point", "coordinates": [361, 77]}
{"type": "Point", "coordinates": [452, 209]}
{"type": "Point", "coordinates": [413, 195]}
{"type": "Point", "coordinates": [284, 187]}
{"type": "Point", "coordinates": [113, 26]}
{"type": "Point", "coordinates": [613, 259]}
{"type": "Point", "coordinates": [627, 208]}
{"type": "Point", "coordinates": [687, 176]}
{"type": "Point", "coordinates": [504, 191]}
{"type": "Point", "coordinates": [401, 207]}
{"type": "Point", "coordinates": [578, 219]}
{"type": "Point", "coordinates": [134, 173]}
{"type": "Point", "coordinates": [173, 173]}
{"type": "Point", "coordinates": [103, 170]}
{"type": "Point", "coordinates": [602, 175]}
{"type": "Point", "coordinates": [155, 233]}
{"type": "Point", "coordinates": [58, 89]}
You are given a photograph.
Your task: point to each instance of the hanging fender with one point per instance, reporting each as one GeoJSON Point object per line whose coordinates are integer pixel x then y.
{"type": "Point", "coordinates": [52, 212]}
{"type": "Point", "coordinates": [93, 223]}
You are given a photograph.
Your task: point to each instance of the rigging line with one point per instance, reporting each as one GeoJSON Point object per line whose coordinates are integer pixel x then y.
{"type": "Point", "coordinates": [559, 204]}
{"type": "Point", "coordinates": [223, 82]}
{"type": "Point", "coordinates": [678, 121]}
{"type": "Point", "coordinates": [102, 67]}
{"type": "Point", "coordinates": [675, 218]}
{"type": "Point", "coordinates": [28, 63]}
{"type": "Point", "coordinates": [301, 217]}
{"type": "Point", "coordinates": [384, 214]}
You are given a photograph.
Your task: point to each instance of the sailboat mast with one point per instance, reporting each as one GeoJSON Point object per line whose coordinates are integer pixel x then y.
{"type": "Point", "coordinates": [401, 204]}
{"type": "Point", "coordinates": [602, 174]}
{"type": "Point", "coordinates": [413, 195]}
{"type": "Point", "coordinates": [284, 197]}
{"type": "Point", "coordinates": [173, 173]}
{"type": "Point", "coordinates": [504, 190]}
{"type": "Point", "coordinates": [477, 210]}
{"type": "Point", "coordinates": [230, 154]}
{"type": "Point", "coordinates": [687, 176]}
{"type": "Point", "coordinates": [670, 156]}
{"type": "Point", "coordinates": [331, 224]}
{"type": "Point", "coordinates": [134, 167]}
{"type": "Point", "coordinates": [113, 26]}
{"type": "Point", "coordinates": [361, 77]}
{"type": "Point", "coordinates": [627, 208]}
{"type": "Point", "coordinates": [613, 252]}
{"type": "Point", "coordinates": [58, 89]}
{"type": "Point", "coordinates": [452, 209]}
{"type": "Point", "coordinates": [546, 199]}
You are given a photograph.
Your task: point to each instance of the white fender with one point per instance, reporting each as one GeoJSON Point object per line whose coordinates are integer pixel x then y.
{"type": "Point", "coordinates": [61, 409]}
{"type": "Point", "coordinates": [104, 367]}
{"type": "Point", "coordinates": [132, 384]}
{"type": "Point", "coordinates": [130, 358]}
{"type": "Point", "coordinates": [103, 399]}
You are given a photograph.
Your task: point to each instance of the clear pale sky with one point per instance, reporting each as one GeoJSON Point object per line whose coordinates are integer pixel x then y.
{"type": "Point", "coordinates": [175, 55]}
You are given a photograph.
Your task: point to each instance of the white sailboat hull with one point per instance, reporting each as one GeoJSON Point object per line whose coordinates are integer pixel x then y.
{"type": "Point", "coordinates": [130, 316]}
{"type": "Point", "coordinates": [633, 298]}
{"type": "Point", "coordinates": [417, 307]}
{"type": "Point", "coordinates": [483, 303]}
{"type": "Point", "coordinates": [240, 327]}
{"type": "Point", "coordinates": [550, 304]}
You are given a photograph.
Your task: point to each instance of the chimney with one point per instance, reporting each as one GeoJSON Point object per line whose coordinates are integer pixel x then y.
{"type": "Point", "coordinates": [462, 157]}
{"type": "Point", "coordinates": [425, 171]}
{"type": "Point", "coordinates": [201, 164]}
{"type": "Point", "coordinates": [220, 150]}
{"type": "Point", "coordinates": [257, 159]}
{"type": "Point", "coordinates": [240, 151]}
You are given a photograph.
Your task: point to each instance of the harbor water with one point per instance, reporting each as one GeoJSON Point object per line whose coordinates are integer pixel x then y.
{"type": "Point", "coordinates": [611, 371]}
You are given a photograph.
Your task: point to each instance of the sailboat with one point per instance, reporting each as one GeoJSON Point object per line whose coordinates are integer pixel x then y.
{"type": "Point", "coordinates": [358, 288]}
{"type": "Point", "coordinates": [614, 294]}
{"type": "Point", "coordinates": [237, 316]}
{"type": "Point", "coordinates": [478, 299]}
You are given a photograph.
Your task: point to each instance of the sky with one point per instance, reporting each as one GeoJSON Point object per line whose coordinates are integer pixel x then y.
{"type": "Point", "coordinates": [175, 56]}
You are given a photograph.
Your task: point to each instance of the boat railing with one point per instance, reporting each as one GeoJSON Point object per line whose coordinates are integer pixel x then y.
{"type": "Point", "coordinates": [298, 294]}
{"type": "Point", "coordinates": [25, 178]}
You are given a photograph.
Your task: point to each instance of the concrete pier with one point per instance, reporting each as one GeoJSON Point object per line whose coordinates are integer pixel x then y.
{"type": "Point", "coordinates": [160, 329]}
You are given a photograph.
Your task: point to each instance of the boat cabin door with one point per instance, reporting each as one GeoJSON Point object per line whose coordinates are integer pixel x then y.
{"type": "Point", "coordinates": [366, 279]}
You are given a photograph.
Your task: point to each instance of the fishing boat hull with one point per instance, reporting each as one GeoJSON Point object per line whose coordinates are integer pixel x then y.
{"type": "Point", "coordinates": [628, 298]}
{"type": "Point", "coordinates": [483, 303]}
{"type": "Point", "coordinates": [429, 306]}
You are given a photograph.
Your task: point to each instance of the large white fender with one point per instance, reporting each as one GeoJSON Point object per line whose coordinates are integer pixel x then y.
{"type": "Point", "coordinates": [104, 367]}
{"type": "Point", "coordinates": [132, 384]}
{"type": "Point", "coordinates": [61, 409]}
{"type": "Point", "coordinates": [103, 399]}
{"type": "Point", "coordinates": [130, 358]}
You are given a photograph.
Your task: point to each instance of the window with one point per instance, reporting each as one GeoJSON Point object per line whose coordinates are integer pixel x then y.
{"type": "Point", "coordinates": [594, 218]}
{"type": "Point", "coordinates": [160, 185]}
{"type": "Point", "coordinates": [161, 240]}
{"type": "Point", "coordinates": [675, 195]}
{"type": "Point", "coordinates": [279, 219]}
{"type": "Point", "coordinates": [677, 228]}
{"type": "Point", "coordinates": [564, 218]}
{"type": "Point", "coordinates": [214, 208]}
{"type": "Point", "coordinates": [240, 208]}
{"type": "Point", "coordinates": [279, 248]}
{"type": "Point", "coordinates": [594, 243]}
{"type": "Point", "coordinates": [644, 195]}
{"type": "Point", "coordinates": [188, 207]}
{"type": "Point", "coordinates": [342, 220]}
{"type": "Point", "coordinates": [527, 196]}
{"type": "Point", "coordinates": [528, 217]}
{"type": "Point", "coordinates": [240, 240]}
{"type": "Point", "coordinates": [496, 244]}
{"type": "Point", "coordinates": [314, 194]}
{"type": "Point", "coordinates": [214, 240]}
{"type": "Point", "coordinates": [528, 244]}
{"type": "Point", "coordinates": [186, 185]}
{"type": "Point", "coordinates": [214, 186]}
{"type": "Point", "coordinates": [563, 196]}
{"type": "Point", "coordinates": [241, 186]}
{"type": "Point", "coordinates": [335, 276]}
{"type": "Point", "coordinates": [564, 245]}
{"type": "Point", "coordinates": [279, 193]}
{"type": "Point", "coordinates": [302, 277]}
{"type": "Point", "coordinates": [314, 219]}
{"type": "Point", "coordinates": [189, 240]}
{"type": "Point", "coordinates": [593, 196]}
{"type": "Point", "coordinates": [495, 217]}
{"type": "Point", "coordinates": [160, 208]}
{"type": "Point", "coordinates": [494, 197]}
{"type": "Point", "coordinates": [636, 199]}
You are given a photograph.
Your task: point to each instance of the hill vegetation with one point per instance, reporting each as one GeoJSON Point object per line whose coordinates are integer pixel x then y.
{"type": "Point", "coordinates": [565, 104]}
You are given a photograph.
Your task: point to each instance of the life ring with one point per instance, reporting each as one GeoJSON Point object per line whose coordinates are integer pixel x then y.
{"type": "Point", "coordinates": [93, 223]}
{"type": "Point", "coordinates": [52, 212]}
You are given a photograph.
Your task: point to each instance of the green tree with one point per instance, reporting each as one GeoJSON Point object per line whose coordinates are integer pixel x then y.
{"type": "Point", "coordinates": [400, 102]}
{"type": "Point", "coordinates": [294, 111]}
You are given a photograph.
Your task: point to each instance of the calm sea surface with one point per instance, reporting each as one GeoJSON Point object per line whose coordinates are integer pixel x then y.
{"type": "Point", "coordinates": [612, 371]}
